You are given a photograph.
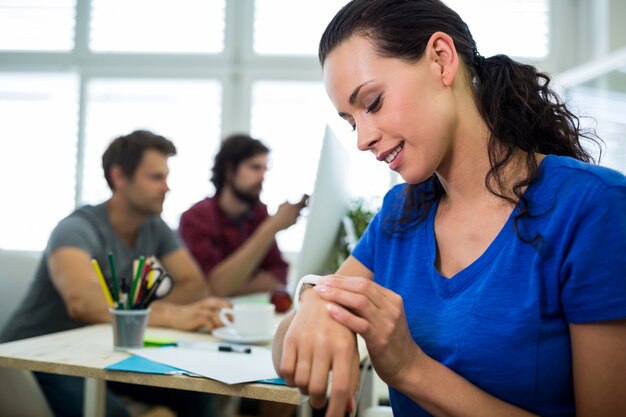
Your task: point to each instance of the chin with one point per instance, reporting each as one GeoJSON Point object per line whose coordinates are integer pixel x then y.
{"type": "Point", "coordinates": [413, 178]}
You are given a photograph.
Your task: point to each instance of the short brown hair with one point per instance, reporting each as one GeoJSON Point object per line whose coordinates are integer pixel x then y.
{"type": "Point", "coordinates": [127, 151]}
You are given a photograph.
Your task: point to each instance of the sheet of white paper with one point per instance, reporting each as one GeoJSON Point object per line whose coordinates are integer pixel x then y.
{"type": "Point", "coordinates": [228, 367]}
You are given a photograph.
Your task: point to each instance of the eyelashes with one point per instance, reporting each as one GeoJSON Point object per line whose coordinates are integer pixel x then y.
{"type": "Point", "coordinates": [372, 108]}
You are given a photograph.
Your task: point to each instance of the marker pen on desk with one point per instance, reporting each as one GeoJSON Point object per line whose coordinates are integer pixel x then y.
{"type": "Point", "coordinates": [235, 349]}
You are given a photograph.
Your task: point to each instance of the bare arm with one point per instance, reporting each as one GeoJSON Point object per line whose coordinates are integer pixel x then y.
{"type": "Point", "coordinates": [262, 281]}
{"type": "Point", "coordinates": [190, 284]}
{"type": "Point", "coordinates": [309, 345]}
{"type": "Point", "coordinates": [230, 275]}
{"type": "Point", "coordinates": [73, 276]}
{"type": "Point", "coordinates": [376, 313]}
{"type": "Point", "coordinates": [599, 361]}
{"type": "Point", "coordinates": [599, 364]}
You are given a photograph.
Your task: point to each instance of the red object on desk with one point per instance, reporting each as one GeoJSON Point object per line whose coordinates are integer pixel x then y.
{"type": "Point", "coordinates": [281, 300]}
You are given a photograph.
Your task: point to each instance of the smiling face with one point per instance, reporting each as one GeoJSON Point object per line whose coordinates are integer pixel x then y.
{"type": "Point", "coordinates": [404, 113]}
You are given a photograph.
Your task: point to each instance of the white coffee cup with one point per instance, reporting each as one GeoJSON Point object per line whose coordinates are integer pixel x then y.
{"type": "Point", "coordinates": [249, 319]}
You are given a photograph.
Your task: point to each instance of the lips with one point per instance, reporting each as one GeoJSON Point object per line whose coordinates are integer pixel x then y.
{"type": "Point", "coordinates": [390, 156]}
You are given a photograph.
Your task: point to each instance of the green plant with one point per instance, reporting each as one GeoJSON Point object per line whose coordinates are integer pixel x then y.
{"type": "Point", "coordinates": [360, 214]}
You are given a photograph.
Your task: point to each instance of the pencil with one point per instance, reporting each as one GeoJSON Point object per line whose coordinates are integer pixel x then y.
{"type": "Point", "coordinates": [133, 289]}
{"type": "Point", "coordinates": [141, 286]}
{"type": "Point", "coordinates": [103, 283]}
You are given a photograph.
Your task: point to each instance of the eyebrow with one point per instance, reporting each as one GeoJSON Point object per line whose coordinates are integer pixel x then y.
{"type": "Point", "coordinates": [355, 93]}
{"type": "Point", "coordinates": [353, 96]}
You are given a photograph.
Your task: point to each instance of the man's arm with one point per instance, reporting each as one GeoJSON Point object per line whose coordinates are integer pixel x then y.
{"type": "Point", "coordinates": [73, 276]}
{"type": "Point", "coordinates": [190, 286]}
{"type": "Point", "coordinates": [230, 275]}
{"type": "Point", "coordinates": [262, 281]}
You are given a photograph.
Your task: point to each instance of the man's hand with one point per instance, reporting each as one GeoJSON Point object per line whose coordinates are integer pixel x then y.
{"type": "Point", "coordinates": [287, 213]}
{"type": "Point", "coordinates": [313, 346]}
{"type": "Point", "coordinates": [198, 315]}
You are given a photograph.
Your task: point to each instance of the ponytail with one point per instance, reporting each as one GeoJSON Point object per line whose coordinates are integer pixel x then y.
{"type": "Point", "coordinates": [524, 113]}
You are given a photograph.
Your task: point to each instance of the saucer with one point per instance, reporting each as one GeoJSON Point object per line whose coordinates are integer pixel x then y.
{"type": "Point", "coordinates": [230, 335]}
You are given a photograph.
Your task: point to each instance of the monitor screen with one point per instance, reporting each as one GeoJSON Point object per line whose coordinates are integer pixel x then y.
{"type": "Point", "coordinates": [328, 204]}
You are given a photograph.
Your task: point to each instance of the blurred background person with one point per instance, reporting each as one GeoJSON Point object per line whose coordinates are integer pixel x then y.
{"type": "Point", "coordinates": [231, 235]}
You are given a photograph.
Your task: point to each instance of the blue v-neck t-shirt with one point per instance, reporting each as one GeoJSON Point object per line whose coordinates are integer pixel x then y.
{"type": "Point", "coordinates": [502, 322]}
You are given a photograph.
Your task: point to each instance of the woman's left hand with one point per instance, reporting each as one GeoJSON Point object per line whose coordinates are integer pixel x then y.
{"type": "Point", "coordinates": [377, 314]}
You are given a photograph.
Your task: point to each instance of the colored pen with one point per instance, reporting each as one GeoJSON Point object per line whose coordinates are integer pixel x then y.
{"type": "Point", "coordinates": [141, 288]}
{"type": "Point", "coordinates": [188, 344]}
{"type": "Point", "coordinates": [235, 349]}
{"type": "Point", "coordinates": [116, 289]}
{"type": "Point", "coordinates": [133, 288]}
{"type": "Point", "coordinates": [103, 283]}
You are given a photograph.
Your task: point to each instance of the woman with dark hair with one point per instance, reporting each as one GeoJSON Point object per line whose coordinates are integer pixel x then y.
{"type": "Point", "coordinates": [492, 282]}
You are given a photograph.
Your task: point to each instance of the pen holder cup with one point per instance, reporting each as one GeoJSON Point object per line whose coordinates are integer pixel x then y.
{"type": "Point", "coordinates": [129, 327]}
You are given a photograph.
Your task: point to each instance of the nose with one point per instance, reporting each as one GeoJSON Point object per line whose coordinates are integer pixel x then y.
{"type": "Point", "coordinates": [367, 138]}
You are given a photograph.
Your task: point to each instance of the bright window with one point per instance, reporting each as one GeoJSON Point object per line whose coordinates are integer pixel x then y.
{"type": "Point", "coordinates": [37, 25]}
{"type": "Point", "coordinates": [513, 27]}
{"type": "Point", "coordinates": [38, 158]}
{"type": "Point", "coordinates": [299, 34]}
{"type": "Point", "coordinates": [183, 26]}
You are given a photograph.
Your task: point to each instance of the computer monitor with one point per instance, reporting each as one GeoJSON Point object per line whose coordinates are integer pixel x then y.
{"type": "Point", "coordinates": [328, 205]}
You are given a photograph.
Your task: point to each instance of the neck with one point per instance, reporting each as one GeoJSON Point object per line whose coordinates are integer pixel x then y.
{"type": "Point", "coordinates": [124, 220]}
{"type": "Point", "coordinates": [463, 171]}
{"type": "Point", "coordinates": [230, 204]}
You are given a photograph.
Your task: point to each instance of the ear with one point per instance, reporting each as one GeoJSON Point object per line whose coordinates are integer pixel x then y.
{"type": "Point", "coordinates": [442, 52]}
{"type": "Point", "coordinates": [117, 177]}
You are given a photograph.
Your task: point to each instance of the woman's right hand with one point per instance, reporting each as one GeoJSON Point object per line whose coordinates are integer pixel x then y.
{"type": "Point", "coordinates": [315, 345]}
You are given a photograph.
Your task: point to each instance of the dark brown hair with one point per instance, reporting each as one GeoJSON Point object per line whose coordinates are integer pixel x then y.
{"type": "Point", "coordinates": [235, 149]}
{"type": "Point", "coordinates": [127, 151]}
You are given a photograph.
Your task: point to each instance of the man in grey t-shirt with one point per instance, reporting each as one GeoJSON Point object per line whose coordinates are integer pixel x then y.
{"type": "Point", "coordinates": [66, 293]}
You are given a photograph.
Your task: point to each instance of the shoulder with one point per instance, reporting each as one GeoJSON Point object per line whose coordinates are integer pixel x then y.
{"type": "Point", "coordinates": [396, 193]}
{"type": "Point", "coordinates": [86, 228]}
{"type": "Point", "coordinates": [83, 219]}
{"type": "Point", "coordinates": [575, 181]}
{"type": "Point", "coordinates": [201, 206]}
{"type": "Point", "coordinates": [563, 169]}
{"type": "Point", "coordinates": [399, 193]}
{"type": "Point", "coordinates": [198, 213]}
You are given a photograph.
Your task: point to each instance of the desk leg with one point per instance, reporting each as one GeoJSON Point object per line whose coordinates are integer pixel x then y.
{"type": "Point", "coordinates": [366, 396]}
{"type": "Point", "coordinates": [94, 402]}
{"type": "Point", "coordinates": [304, 410]}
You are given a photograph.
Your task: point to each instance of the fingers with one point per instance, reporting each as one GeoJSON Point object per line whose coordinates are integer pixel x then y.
{"type": "Point", "coordinates": [358, 302]}
{"type": "Point", "coordinates": [288, 361]}
{"type": "Point", "coordinates": [353, 322]}
{"type": "Point", "coordinates": [303, 201]}
{"type": "Point", "coordinates": [358, 285]}
{"type": "Point", "coordinates": [215, 303]}
{"type": "Point", "coordinates": [340, 390]}
{"type": "Point", "coordinates": [318, 381]}
{"type": "Point", "coordinates": [213, 321]}
{"type": "Point", "coordinates": [303, 368]}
